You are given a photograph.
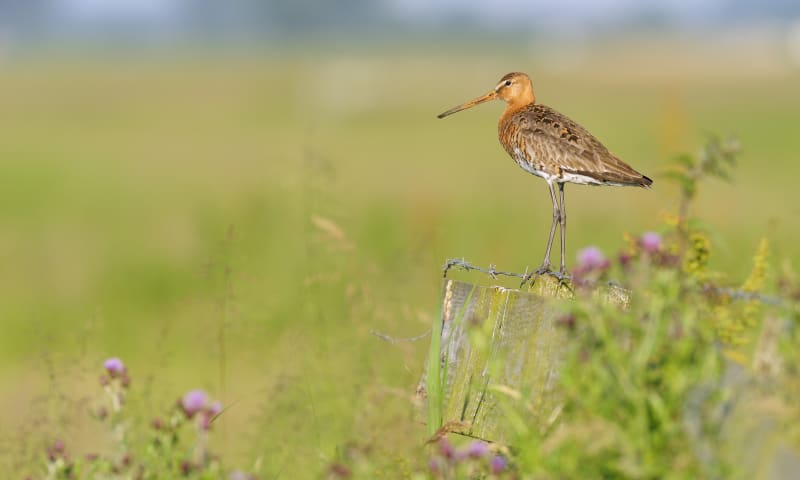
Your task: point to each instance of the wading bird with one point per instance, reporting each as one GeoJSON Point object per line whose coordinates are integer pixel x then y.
{"type": "Point", "coordinates": [550, 145]}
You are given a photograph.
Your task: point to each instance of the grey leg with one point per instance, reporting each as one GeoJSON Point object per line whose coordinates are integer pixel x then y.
{"type": "Point", "coordinates": [563, 221]}
{"type": "Point", "coordinates": [556, 219]}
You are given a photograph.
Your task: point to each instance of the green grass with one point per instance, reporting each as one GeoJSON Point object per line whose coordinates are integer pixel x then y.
{"type": "Point", "coordinates": [151, 206]}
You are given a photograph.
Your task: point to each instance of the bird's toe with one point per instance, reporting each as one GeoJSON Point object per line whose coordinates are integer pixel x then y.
{"type": "Point", "coordinates": [545, 269]}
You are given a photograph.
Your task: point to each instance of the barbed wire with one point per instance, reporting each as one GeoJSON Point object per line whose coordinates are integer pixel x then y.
{"type": "Point", "coordinates": [393, 340]}
{"type": "Point", "coordinates": [729, 292]}
{"type": "Point", "coordinates": [747, 295]}
{"type": "Point", "coordinates": [491, 271]}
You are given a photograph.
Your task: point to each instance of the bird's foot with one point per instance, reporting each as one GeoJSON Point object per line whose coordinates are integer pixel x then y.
{"type": "Point", "coordinates": [564, 279]}
{"type": "Point", "coordinates": [545, 269]}
{"type": "Point", "coordinates": [562, 274]}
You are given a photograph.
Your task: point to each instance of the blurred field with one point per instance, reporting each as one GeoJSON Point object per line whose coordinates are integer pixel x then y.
{"type": "Point", "coordinates": [240, 224]}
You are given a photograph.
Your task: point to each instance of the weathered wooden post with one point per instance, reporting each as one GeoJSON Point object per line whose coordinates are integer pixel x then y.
{"type": "Point", "coordinates": [492, 341]}
{"type": "Point", "coordinates": [481, 328]}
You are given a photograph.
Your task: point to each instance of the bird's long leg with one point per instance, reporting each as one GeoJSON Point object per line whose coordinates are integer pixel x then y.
{"type": "Point", "coordinates": [545, 268]}
{"type": "Point", "coordinates": [563, 222]}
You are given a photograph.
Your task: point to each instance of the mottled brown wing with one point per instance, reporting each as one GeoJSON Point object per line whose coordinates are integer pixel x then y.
{"type": "Point", "coordinates": [555, 139]}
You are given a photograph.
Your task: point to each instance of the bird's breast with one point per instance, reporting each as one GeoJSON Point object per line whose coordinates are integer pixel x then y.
{"type": "Point", "coordinates": [517, 146]}
{"type": "Point", "coordinates": [508, 132]}
{"type": "Point", "coordinates": [529, 162]}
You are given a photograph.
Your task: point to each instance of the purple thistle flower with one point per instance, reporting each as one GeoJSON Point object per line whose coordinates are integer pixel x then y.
{"type": "Point", "coordinates": [435, 465]}
{"type": "Point", "coordinates": [592, 264]}
{"type": "Point", "coordinates": [650, 242]}
{"type": "Point", "coordinates": [193, 402]}
{"type": "Point", "coordinates": [497, 464]}
{"type": "Point", "coordinates": [58, 446]}
{"type": "Point", "coordinates": [57, 450]}
{"type": "Point", "coordinates": [625, 259]}
{"type": "Point", "coordinates": [205, 420]}
{"type": "Point", "coordinates": [114, 367]}
{"type": "Point", "coordinates": [338, 470]}
{"type": "Point", "coordinates": [209, 414]}
{"type": "Point", "coordinates": [477, 449]}
{"type": "Point", "coordinates": [567, 321]}
{"type": "Point", "coordinates": [157, 424]}
{"type": "Point", "coordinates": [591, 258]}
{"type": "Point", "coordinates": [446, 449]}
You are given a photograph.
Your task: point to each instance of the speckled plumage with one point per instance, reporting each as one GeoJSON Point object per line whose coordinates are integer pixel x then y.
{"type": "Point", "coordinates": [550, 145]}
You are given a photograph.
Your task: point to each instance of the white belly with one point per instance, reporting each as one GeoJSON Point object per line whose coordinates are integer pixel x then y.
{"type": "Point", "coordinates": [531, 167]}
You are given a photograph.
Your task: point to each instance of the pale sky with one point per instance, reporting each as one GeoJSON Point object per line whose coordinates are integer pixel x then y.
{"type": "Point", "coordinates": [100, 9]}
{"type": "Point", "coordinates": [539, 11]}
{"type": "Point", "coordinates": [559, 16]}
{"type": "Point", "coordinates": [433, 10]}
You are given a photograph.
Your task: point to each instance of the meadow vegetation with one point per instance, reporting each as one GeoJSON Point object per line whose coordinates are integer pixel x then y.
{"type": "Point", "coordinates": [244, 225]}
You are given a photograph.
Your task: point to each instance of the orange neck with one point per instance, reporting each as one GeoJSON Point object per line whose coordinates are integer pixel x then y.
{"type": "Point", "coordinates": [513, 105]}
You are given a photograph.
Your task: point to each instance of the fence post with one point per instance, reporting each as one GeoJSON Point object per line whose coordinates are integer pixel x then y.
{"type": "Point", "coordinates": [493, 341]}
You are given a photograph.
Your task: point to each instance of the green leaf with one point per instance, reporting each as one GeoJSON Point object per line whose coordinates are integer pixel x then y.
{"type": "Point", "coordinates": [686, 183]}
{"type": "Point", "coordinates": [685, 160]}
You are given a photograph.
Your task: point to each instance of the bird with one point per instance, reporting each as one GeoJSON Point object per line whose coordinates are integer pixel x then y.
{"type": "Point", "coordinates": [552, 146]}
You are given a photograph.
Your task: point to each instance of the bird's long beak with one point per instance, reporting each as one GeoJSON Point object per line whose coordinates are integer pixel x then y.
{"type": "Point", "coordinates": [485, 98]}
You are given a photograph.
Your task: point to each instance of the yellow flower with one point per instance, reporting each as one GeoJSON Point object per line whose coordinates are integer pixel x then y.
{"type": "Point", "coordinates": [697, 255]}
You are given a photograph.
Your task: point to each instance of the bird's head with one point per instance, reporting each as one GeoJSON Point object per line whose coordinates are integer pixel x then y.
{"type": "Point", "coordinates": [514, 88]}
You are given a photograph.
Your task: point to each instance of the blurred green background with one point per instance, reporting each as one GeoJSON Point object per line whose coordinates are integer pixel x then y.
{"type": "Point", "coordinates": [237, 206]}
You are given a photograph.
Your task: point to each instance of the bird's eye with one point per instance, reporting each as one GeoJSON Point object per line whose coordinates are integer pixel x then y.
{"type": "Point", "coordinates": [508, 83]}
